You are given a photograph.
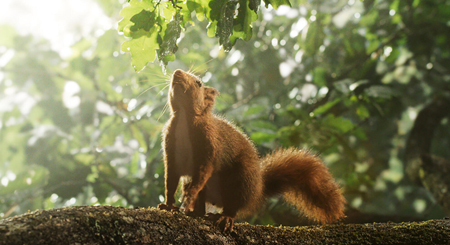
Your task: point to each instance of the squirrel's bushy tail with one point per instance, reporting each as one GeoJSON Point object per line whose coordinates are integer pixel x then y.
{"type": "Point", "coordinates": [305, 182]}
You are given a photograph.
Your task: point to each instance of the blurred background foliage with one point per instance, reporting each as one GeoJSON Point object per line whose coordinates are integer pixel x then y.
{"type": "Point", "coordinates": [345, 78]}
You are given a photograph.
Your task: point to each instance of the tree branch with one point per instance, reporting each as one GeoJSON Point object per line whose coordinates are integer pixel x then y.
{"type": "Point", "coordinates": [118, 225]}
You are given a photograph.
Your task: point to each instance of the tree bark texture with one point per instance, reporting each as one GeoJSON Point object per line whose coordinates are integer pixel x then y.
{"type": "Point", "coordinates": [118, 225]}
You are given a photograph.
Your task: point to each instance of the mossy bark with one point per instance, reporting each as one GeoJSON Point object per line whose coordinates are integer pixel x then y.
{"type": "Point", "coordinates": [117, 225]}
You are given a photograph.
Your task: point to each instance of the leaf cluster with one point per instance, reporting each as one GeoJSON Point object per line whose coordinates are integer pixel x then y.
{"type": "Point", "coordinates": [154, 27]}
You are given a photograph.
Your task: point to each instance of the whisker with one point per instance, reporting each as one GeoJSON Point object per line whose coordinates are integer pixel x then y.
{"type": "Point", "coordinates": [191, 68]}
{"type": "Point", "coordinates": [157, 75]}
{"type": "Point", "coordinates": [163, 110]}
{"type": "Point", "coordinates": [167, 85]}
{"type": "Point", "coordinates": [153, 73]}
{"type": "Point", "coordinates": [155, 81]}
{"type": "Point", "coordinates": [147, 89]}
{"type": "Point", "coordinates": [204, 63]}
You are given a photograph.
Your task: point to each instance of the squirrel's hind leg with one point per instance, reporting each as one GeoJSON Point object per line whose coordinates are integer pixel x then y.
{"type": "Point", "coordinates": [234, 197]}
{"type": "Point", "coordinates": [199, 206]}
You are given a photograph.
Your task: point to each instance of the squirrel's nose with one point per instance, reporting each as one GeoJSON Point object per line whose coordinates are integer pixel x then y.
{"type": "Point", "coordinates": [178, 73]}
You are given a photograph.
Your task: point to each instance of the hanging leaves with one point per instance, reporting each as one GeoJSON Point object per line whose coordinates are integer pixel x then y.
{"type": "Point", "coordinates": [168, 44]}
{"type": "Point", "coordinates": [225, 24]}
{"type": "Point", "coordinates": [153, 28]}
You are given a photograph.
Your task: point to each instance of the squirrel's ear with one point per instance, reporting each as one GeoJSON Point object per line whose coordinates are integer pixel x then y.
{"type": "Point", "coordinates": [215, 92]}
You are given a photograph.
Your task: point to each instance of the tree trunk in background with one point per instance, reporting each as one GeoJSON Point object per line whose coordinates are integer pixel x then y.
{"type": "Point", "coordinates": [420, 166]}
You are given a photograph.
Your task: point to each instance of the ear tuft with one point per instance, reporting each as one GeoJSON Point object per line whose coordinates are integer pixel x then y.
{"type": "Point", "coordinates": [214, 92]}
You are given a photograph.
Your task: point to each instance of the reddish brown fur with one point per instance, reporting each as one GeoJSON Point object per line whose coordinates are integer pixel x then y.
{"type": "Point", "coordinates": [224, 166]}
{"type": "Point", "coordinates": [305, 182]}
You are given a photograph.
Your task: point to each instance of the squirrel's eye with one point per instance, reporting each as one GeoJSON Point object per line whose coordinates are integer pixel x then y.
{"type": "Point", "coordinates": [198, 83]}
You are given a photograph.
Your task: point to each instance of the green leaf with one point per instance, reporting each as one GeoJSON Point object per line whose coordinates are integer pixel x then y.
{"type": "Point", "coordinates": [243, 23]}
{"type": "Point", "coordinates": [359, 133]}
{"type": "Point", "coordinates": [142, 49]}
{"type": "Point", "coordinates": [393, 56]}
{"type": "Point", "coordinates": [199, 6]}
{"type": "Point", "coordinates": [85, 158]}
{"type": "Point", "coordinates": [342, 125]}
{"type": "Point", "coordinates": [369, 19]}
{"type": "Point", "coordinates": [168, 10]}
{"type": "Point", "coordinates": [185, 13]}
{"type": "Point", "coordinates": [169, 58]}
{"type": "Point", "coordinates": [212, 27]}
{"type": "Point", "coordinates": [362, 112]}
{"type": "Point", "coordinates": [373, 45]}
{"type": "Point", "coordinates": [145, 20]}
{"type": "Point", "coordinates": [324, 108]}
{"type": "Point", "coordinates": [277, 3]}
{"type": "Point", "coordinates": [128, 12]}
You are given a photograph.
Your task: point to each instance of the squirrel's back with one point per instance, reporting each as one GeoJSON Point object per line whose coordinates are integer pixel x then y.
{"type": "Point", "coordinates": [233, 142]}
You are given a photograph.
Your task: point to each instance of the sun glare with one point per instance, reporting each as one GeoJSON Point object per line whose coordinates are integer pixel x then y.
{"type": "Point", "coordinates": [55, 20]}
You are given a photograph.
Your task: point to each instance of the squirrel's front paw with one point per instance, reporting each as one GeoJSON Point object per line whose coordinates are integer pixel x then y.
{"type": "Point", "coordinates": [163, 206]}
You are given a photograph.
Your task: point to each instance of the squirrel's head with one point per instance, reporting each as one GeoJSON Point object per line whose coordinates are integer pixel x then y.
{"type": "Point", "coordinates": [188, 93]}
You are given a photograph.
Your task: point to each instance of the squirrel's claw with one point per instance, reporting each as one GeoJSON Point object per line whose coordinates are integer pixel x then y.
{"type": "Point", "coordinates": [225, 223]}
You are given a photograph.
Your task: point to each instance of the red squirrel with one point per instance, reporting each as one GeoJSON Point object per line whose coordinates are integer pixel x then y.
{"type": "Point", "coordinates": [224, 168]}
